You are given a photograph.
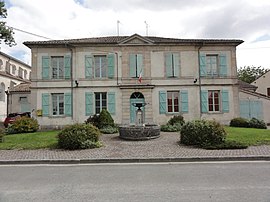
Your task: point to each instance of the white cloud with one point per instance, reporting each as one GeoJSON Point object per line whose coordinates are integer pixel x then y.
{"type": "Point", "coordinates": [243, 19]}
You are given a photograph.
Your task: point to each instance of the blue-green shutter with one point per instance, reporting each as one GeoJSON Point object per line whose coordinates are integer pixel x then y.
{"type": "Point", "coordinates": [225, 100]}
{"type": "Point", "coordinates": [223, 65]}
{"type": "Point", "coordinates": [202, 65]}
{"type": "Point", "coordinates": [168, 64]}
{"type": "Point", "coordinates": [204, 101]}
{"type": "Point", "coordinates": [139, 64]}
{"type": "Point", "coordinates": [89, 106]}
{"type": "Point", "coordinates": [162, 102]}
{"type": "Point", "coordinates": [184, 101]}
{"type": "Point", "coordinates": [45, 67]}
{"type": "Point", "coordinates": [176, 62]}
{"type": "Point", "coordinates": [111, 65]}
{"type": "Point", "coordinates": [67, 62]}
{"type": "Point", "coordinates": [88, 61]}
{"type": "Point", "coordinates": [132, 65]}
{"type": "Point", "coordinates": [68, 104]}
{"type": "Point", "coordinates": [45, 104]}
{"type": "Point", "coordinates": [111, 102]}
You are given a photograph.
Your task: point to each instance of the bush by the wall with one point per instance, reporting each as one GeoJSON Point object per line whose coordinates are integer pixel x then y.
{"type": "Point", "coordinates": [93, 119]}
{"type": "Point", "coordinates": [2, 134]}
{"type": "Point", "coordinates": [79, 136]}
{"type": "Point", "coordinates": [239, 122]}
{"type": "Point", "coordinates": [174, 124]}
{"type": "Point", "coordinates": [177, 119]}
{"type": "Point", "coordinates": [256, 123]}
{"type": "Point", "coordinates": [109, 129]}
{"type": "Point", "coordinates": [23, 125]}
{"type": "Point", "coordinates": [101, 120]}
{"type": "Point", "coordinates": [202, 133]}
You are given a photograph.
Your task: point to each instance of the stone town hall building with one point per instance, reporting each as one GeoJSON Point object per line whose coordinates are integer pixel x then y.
{"type": "Point", "coordinates": [73, 79]}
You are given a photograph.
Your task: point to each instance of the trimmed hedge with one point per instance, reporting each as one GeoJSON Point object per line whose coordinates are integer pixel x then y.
{"type": "Point", "coordinates": [23, 125]}
{"type": "Point", "coordinates": [202, 133]}
{"type": "Point", "coordinates": [245, 123]}
{"type": "Point", "coordinates": [79, 136]}
{"type": "Point", "coordinates": [227, 145]}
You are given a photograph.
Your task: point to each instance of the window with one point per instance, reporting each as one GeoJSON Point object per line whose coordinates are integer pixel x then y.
{"type": "Point", "coordinates": [213, 101]}
{"type": "Point", "coordinates": [25, 74]}
{"type": "Point", "coordinates": [20, 72]}
{"type": "Point", "coordinates": [1, 65]}
{"type": "Point", "coordinates": [172, 64]}
{"type": "Point", "coordinates": [173, 101]}
{"type": "Point", "coordinates": [100, 101]}
{"type": "Point", "coordinates": [212, 65]}
{"type": "Point", "coordinates": [100, 63]}
{"type": "Point", "coordinates": [268, 91]}
{"type": "Point", "coordinates": [13, 69]}
{"type": "Point", "coordinates": [2, 92]}
{"type": "Point", "coordinates": [58, 104]}
{"type": "Point", "coordinates": [57, 67]}
{"type": "Point", "coordinates": [7, 67]}
{"type": "Point", "coordinates": [136, 65]}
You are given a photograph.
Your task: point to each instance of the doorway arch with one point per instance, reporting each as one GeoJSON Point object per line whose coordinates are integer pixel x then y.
{"type": "Point", "coordinates": [136, 97]}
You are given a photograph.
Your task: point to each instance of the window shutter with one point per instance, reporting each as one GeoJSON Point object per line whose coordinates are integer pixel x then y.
{"type": "Point", "coordinates": [139, 64]}
{"type": "Point", "coordinates": [162, 102]}
{"type": "Point", "coordinates": [202, 65]}
{"type": "Point", "coordinates": [111, 65]}
{"type": "Point", "coordinates": [111, 102]}
{"type": "Point", "coordinates": [68, 104]}
{"type": "Point", "coordinates": [45, 104]}
{"type": "Point", "coordinates": [184, 101]}
{"type": "Point", "coordinates": [67, 62]}
{"type": "Point", "coordinates": [168, 64]}
{"type": "Point", "coordinates": [176, 61]}
{"type": "Point", "coordinates": [88, 66]}
{"type": "Point", "coordinates": [204, 101]}
{"type": "Point", "coordinates": [225, 101]}
{"type": "Point", "coordinates": [45, 67]}
{"type": "Point", "coordinates": [223, 65]}
{"type": "Point", "coordinates": [132, 65]}
{"type": "Point", "coordinates": [89, 103]}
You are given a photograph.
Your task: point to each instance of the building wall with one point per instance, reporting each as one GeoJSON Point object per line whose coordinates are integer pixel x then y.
{"type": "Point", "coordinates": [248, 96]}
{"type": "Point", "coordinates": [263, 83]}
{"type": "Point", "coordinates": [9, 78]}
{"type": "Point", "coordinates": [154, 80]}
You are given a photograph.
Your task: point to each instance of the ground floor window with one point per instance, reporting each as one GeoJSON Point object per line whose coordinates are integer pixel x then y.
{"type": "Point", "coordinates": [268, 91]}
{"type": "Point", "coordinates": [100, 101]}
{"type": "Point", "coordinates": [173, 101]}
{"type": "Point", "coordinates": [58, 104]}
{"type": "Point", "coordinates": [213, 101]}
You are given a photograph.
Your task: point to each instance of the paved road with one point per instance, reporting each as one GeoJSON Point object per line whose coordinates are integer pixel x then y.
{"type": "Point", "coordinates": [212, 181]}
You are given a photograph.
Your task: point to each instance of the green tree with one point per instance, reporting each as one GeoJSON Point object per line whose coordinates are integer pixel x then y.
{"type": "Point", "coordinates": [6, 33]}
{"type": "Point", "coordinates": [250, 73]}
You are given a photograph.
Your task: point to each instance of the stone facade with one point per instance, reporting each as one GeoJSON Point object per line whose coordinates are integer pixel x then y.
{"type": "Point", "coordinates": [12, 73]}
{"type": "Point", "coordinates": [194, 78]}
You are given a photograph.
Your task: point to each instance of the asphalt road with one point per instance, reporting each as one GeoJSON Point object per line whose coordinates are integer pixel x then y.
{"type": "Point", "coordinates": [209, 181]}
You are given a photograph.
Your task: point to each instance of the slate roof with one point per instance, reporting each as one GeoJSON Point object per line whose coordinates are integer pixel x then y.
{"type": "Point", "coordinates": [118, 39]}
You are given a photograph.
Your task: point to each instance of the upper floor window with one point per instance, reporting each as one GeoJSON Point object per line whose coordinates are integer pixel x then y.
{"type": "Point", "coordinates": [2, 92]}
{"type": "Point", "coordinates": [20, 72]}
{"type": "Point", "coordinates": [136, 65]}
{"type": "Point", "coordinates": [1, 65]}
{"type": "Point", "coordinates": [213, 65]}
{"type": "Point", "coordinates": [13, 69]}
{"type": "Point", "coordinates": [8, 67]}
{"type": "Point", "coordinates": [25, 74]}
{"type": "Point", "coordinates": [172, 64]}
{"type": "Point", "coordinates": [56, 67]}
{"type": "Point", "coordinates": [100, 66]}
{"type": "Point", "coordinates": [57, 64]}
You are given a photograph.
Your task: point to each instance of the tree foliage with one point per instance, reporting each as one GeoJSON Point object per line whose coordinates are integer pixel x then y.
{"type": "Point", "coordinates": [6, 33]}
{"type": "Point", "coordinates": [250, 73]}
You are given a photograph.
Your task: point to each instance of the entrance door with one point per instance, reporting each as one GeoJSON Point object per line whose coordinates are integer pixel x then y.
{"type": "Point", "coordinates": [136, 97]}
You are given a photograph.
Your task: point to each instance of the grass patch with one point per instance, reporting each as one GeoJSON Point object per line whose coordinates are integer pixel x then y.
{"type": "Point", "coordinates": [37, 140]}
{"type": "Point", "coordinates": [248, 136]}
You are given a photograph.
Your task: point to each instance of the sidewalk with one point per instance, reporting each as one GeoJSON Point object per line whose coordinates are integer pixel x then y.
{"type": "Point", "coordinates": [163, 149]}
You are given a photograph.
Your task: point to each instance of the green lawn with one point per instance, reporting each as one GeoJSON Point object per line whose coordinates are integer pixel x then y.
{"type": "Point", "coordinates": [248, 136]}
{"type": "Point", "coordinates": [35, 140]}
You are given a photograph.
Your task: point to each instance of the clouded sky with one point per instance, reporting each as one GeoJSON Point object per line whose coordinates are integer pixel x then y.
{"type": "Point", "coordinates": [248, 20]}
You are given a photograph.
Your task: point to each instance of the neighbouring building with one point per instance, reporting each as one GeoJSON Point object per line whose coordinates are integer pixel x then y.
{"type": "Point", "coordinates": [263, 84]}
{"type": "Point", "coordinates": [74, 79]}
{"type": "Point", "coordinates": [12, 73]}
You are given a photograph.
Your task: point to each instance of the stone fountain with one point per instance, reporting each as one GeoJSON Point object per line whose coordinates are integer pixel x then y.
{"type": "Point", "coordinates": [139, 131]}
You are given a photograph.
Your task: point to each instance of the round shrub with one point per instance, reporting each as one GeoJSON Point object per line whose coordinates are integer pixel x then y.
{"type": "Point", "coordinates": [177, 119]}
{"type": "Point", "coordinates": [256, 123]}
{"type": "Point", "coordinates": [239, 122]}
{"type": "Point", "coordinates": [105, 119]}
{"type": "Point", "coordinates": [93, 119]}
{"type": "Point", "coordinates": [23, 125]}
{"type": "Point", "coordinates": [79, 136]}
{"type": "Point", "coordinates": [202, 133]}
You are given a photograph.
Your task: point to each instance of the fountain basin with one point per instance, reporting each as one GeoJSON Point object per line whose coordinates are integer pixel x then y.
{"type": "Point", "coordinates": [134, 132]}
